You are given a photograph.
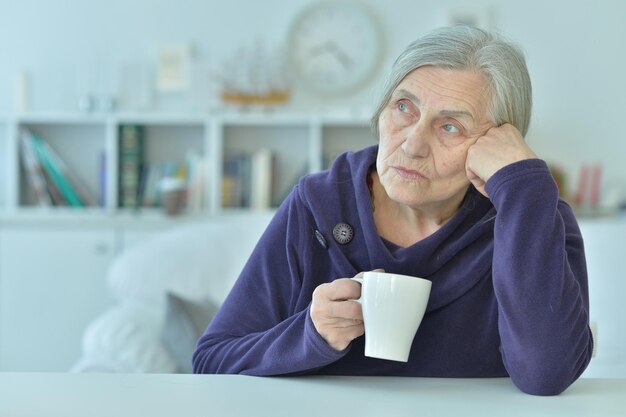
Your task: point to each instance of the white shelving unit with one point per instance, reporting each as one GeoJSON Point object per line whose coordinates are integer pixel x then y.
{"type": "Point", "coordinates": [300, 144]}
{"type": "Point", "coordinates": [54, 259]}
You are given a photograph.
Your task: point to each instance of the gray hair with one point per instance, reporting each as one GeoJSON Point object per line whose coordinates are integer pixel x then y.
{"type": "Point", "coordinates": [469, 48]}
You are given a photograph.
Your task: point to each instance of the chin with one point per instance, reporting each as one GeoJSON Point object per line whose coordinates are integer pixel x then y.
{"type": "Point", "coordinates": [407, 197]}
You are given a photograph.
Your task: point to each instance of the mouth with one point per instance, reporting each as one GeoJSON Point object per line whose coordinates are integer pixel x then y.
{"type": "Point", "coordinates": [409, 174]}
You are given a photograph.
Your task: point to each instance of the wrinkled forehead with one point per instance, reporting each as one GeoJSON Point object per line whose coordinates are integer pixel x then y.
{"type": "Point", "coordinates": [456, 90]}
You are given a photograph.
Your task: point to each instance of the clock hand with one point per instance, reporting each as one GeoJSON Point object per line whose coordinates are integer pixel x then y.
{"type": "Point", "coordinates": [331, 47]}
{"type": "Point", "coordinates": [343, 58]}
{"type": "Point", "coordinates": [320, 49]}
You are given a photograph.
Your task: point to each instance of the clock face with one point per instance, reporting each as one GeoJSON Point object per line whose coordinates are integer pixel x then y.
{"type": "Point", "coordinates": [334, 47]}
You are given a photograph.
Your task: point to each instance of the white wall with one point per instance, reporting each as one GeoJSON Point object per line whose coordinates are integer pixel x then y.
{"type": "Point", "coordinates": [575, 51]}
{"type": "Point", "coordinates": [605, 245]}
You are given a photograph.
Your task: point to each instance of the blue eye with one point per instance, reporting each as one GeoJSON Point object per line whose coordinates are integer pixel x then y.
{"type": "Point", "coordinates": [450, 128]}
{"type": "Point", "coordinates": [402, 107]}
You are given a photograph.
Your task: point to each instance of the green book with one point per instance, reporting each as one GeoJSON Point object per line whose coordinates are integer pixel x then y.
{"type": "Point", "coordinates": [130, 159]}
{"type": "Point", "coordinates": [53, 171]}
{"type": "Point", "coordinates": [34, 170]}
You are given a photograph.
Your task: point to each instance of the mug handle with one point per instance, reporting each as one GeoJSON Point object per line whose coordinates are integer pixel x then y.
{"type": "Point", "coordinates": [360, 281]}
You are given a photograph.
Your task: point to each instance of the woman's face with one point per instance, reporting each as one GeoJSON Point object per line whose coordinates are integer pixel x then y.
{"type": "Point", "coordinates": [433, 117]}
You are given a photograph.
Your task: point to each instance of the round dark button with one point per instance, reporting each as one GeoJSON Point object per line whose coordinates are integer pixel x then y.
{"type": "Point", "coordinates": [343, 233]}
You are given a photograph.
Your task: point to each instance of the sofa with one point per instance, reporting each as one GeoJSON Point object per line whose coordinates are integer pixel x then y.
{"type": "Point", "coordinates": [166, 288]}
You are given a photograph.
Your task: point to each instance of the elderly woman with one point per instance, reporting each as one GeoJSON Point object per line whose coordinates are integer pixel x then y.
{"type": "Point", "coordinates": [451, 193]}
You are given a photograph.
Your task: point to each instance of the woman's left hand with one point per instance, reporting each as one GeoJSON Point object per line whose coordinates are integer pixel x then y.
{"type": "Point", "coordinates": [498, 147]}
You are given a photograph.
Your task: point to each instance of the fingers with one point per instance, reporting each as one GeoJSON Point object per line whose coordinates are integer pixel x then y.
{"type": "Point", "coordinates": [342, 288]}
{"type": "Point", "coordinates": [340, 340]}
{"type": "Point", "coordinates": [337, 317]}
{"type": "Point", "coordinates": [476, 181]}
{"type": "Point", "coordinates": [345, 313]}
{"type": "Point", "coordinates": [337, 322]}
{"type": "Point", "coordinates": [339, 290]}
{"type": "Point", "coordinates": [498, 147]}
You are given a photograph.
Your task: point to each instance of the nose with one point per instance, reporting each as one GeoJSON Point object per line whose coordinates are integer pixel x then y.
{"type": "Point", "coordinates": [417, 141]}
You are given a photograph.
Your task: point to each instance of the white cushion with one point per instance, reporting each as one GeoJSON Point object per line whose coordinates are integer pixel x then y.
{"type": "Point", "coordinates": [194, 261]}
{"type": "Point", "coordinates": [126, 338]}
{"type": "Point", "coordinates": [185, 321]}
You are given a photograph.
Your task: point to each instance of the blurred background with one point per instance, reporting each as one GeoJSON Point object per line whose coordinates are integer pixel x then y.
{"type": "Point", "coordinates": [67, 49]}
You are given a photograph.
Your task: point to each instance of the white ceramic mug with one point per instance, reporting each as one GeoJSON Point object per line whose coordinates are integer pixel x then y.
{"type": "Point", "coordinates": [393, 308]}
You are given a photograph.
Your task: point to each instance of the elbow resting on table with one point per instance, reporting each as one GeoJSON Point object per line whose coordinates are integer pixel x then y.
{"type": "Point", "coordinates": [549, 381]}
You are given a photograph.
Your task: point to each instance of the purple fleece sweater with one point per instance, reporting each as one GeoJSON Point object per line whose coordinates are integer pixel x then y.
{"type": "Point", "coordinates": [509, 285]}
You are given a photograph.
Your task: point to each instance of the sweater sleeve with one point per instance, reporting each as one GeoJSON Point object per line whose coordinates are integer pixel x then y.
{"type": "Point", "coordinates": [264, 326]}
{"type": "Point", "coordinates": [539, 279]}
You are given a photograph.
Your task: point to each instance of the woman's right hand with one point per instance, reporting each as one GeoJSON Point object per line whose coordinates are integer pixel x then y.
{"type": "Point", "coordinates": [336, 315]}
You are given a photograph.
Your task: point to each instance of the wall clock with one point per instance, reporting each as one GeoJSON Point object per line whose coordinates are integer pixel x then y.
{"type": "Point", "coordinates": [334, 47]}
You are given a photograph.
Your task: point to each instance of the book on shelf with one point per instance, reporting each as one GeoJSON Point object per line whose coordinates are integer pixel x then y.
{"type": "Point", "coordinates": [34, 170]}
{"type": "Point", "coordinates": [54, 191]}
{"type": "Point", "coordinates": [56, 176]}
{"type": "Point", "coordinates": [236, 170]}
{"type": "Point", "coordinates": [248, 180]}
{"type": "Point", "coordinates": [196, 181]}
{"type": "Point", "coordinates": [102, 179]}
{"type": "Point", "coordinates": [192, 173]}
{"type": "Point", "coordinates": [73, 179]}
{"type": "Point", "coordinates": [150, 184]}
{"type": "Point", "coordinates": [262, 179]}
{"type": "Point", "coordinates": [130, 165]}
{"type": "Point", "coordinates": [62, 185]}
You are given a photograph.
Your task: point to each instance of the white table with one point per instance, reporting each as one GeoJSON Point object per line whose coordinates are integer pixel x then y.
{"type": "Point", "coordinates": [93, 395]}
